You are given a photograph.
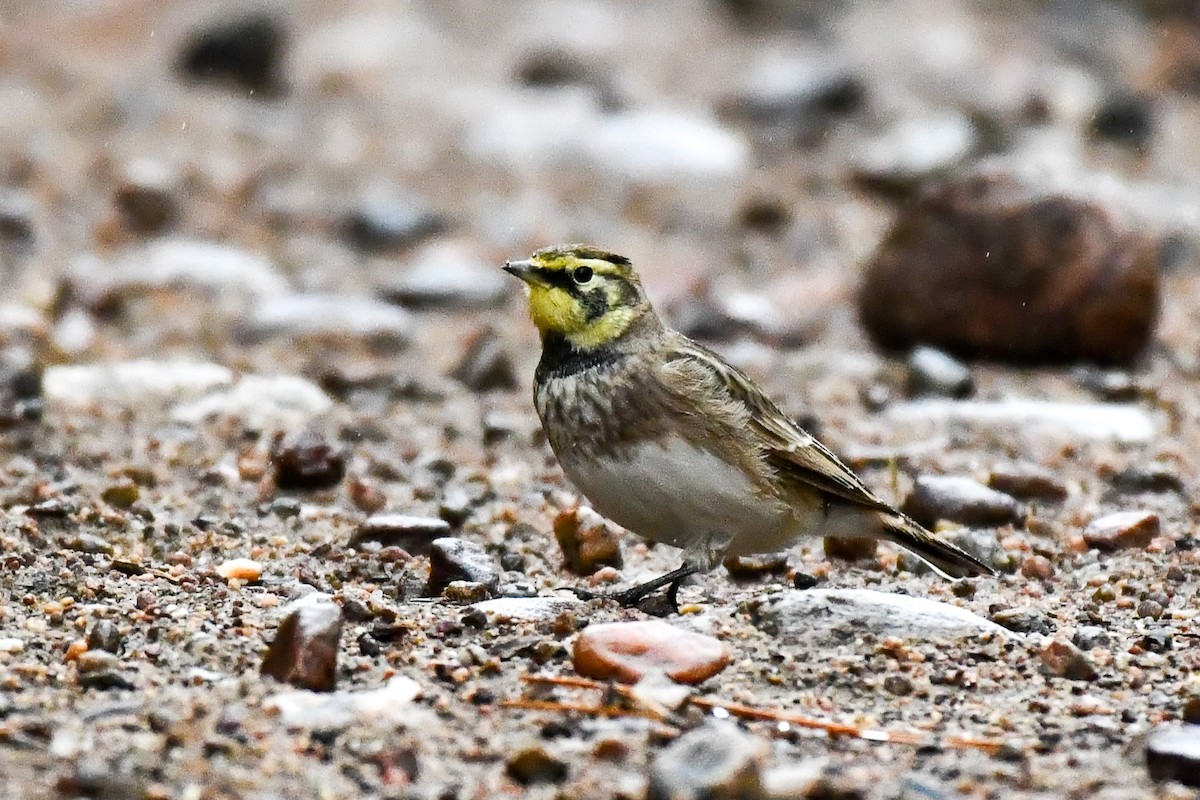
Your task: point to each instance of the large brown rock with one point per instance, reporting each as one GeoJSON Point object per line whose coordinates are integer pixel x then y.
{"type": "Point", "coordinates": [985, 267]}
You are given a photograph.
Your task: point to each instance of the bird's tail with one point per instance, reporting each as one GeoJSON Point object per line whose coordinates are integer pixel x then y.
{"type": "Point", "coordinates": [949, 560]}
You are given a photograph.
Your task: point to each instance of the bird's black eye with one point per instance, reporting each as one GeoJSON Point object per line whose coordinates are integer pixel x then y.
{"type": "Point", "coordinates": [582, 274]}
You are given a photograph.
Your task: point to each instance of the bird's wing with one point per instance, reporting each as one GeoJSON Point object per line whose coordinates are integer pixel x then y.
{"type": "Point", "coordinates": [792, 452]}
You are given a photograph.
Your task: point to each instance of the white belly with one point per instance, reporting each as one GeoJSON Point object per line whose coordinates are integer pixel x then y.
{"type": "Point", "coordinates": [679, 495]}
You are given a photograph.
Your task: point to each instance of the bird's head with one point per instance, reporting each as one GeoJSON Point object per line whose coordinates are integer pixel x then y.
{"type": "Point", "coordinates": [585, 295]}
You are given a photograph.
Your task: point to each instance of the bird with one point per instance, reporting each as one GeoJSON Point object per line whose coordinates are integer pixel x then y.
{"type": "Point", "coordinates": [671, 442]}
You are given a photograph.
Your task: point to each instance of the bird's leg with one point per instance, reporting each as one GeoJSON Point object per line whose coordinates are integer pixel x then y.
{"type": "Point", "coordinates": [635, 594]}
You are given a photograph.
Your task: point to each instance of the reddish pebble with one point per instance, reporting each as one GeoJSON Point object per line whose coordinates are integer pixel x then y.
{"type": "Point", "coordinates": [587, 541]}
{"type": "Point", "coordinates": [626, 651]}
{"type": "Point", "coordinates": [847, 549]}
{"type": "Point", "coordinates": [1037, 567]}
{"type": "Point", "coordinates": [1125, 529]}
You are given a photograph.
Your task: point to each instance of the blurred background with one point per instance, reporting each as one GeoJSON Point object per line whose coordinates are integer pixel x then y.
{"type": "Point", "coordinates": [1007, 180]}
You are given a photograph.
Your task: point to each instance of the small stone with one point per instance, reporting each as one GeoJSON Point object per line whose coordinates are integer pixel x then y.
{"type": "Point", "coordinates": [10, 644]}
{"type": "Point", "coordinates": [122, 494]}
{"type": "Point", "coordinates": [803, 581]}
{"type": "Point", "coordinates": [245, 54]}
{"type": "Point", "coordinates": [466, 592]}
{"type": "Point", "coordinates": [962, 500]}
{"type": "Point", "coordinates": [105, 635]}
{"type": "Point", "coordinates": [516, 610]}
{"type": "Point", "coordinates": [387, 707]}
{"type": "Point", "coordinates": [1115, 385]}
{"type": "Point", "coordinates": [534, 764]}
{"type": "Point", "coordinates": [1027, 482]}
{"type": "Point", "coordinates": [1024, 620]}
{"type": "Point", "coordinates": [587, 541]}
{"type": "Point", "coordinates": [1173, 754]}
{"type": "Point", "coordinates": [798, 98]}
{"type": "Point", "coordinates": [452, 559]}
{"type": "Point", "coordinates": [1150, 609]}
{"type": "Point", "coordinates": [626, 651]}
{"type": "Point", "coordinates": [850, 549]}
{"type": "Point", "coordinates": [1157, 642]}
{"type": "Point", "coordinates": [1088, 421]}
{"type": "Point", "coordinates": [717, 761]}
{"type": "Point", "coordinates": [131, 382]}
{"type": "Point", "coordinates": [485, 364]}
{"type": "Point", "coordinates": [1088, 637]}
{"type": "Point", "coordinates": [915, 150]}
{"type": "Point", "coordinates": [1124, 529]}
{"type": "Point", "coordinates": [21, 384]}
{"type": "Point", "coordinates": [1065, 660]}
{"type": "Point", "coordinates": [750, 567]}
{"type": "Point", "coordinates": [983, 266]}
{"type": "Point", "coordinates": [147, 197]}
{"type": "Point", "coordinates": [663, 147]}
{"type": "Point", "coordinates": [240, 569]}
{"type": "Point", "coordinates": [16, 217]}
{"type": "Point", "coordinates": [1037, 567]}
{"type": "Point", "coordinates": [364, 493]}
{"type": "Point", "coordinates": [555, 67]}
{"type": "Point", "coordinates": [447, 275]}
{"type": "Point", "coordinates": [835, 616]}
{"type": "Point", "coordinates": [307, 461]}
{"type": "Point", "coordinates": [259, 403]}
{"type": "Point", "coordinates": [414, 534]}
{"type": "Point", "coordinates": [388, 219]}
{"type": "Point", "coordinates": [932, 373]}
{"type": "Point", "coordinates": [305, 649]}
{"type": "Point", "coordinates": [326, 318]}
{"type": "Point", "coordinates": [898, 685]}
{"type": "Point", "coordinates": [1125, 119]}
{"type": "Point", "coordinates": [84, 542]}
{"type": "Point", "coordinates": [1149, 478]}
{"type": "Point", "coordinates": [1191, 710]}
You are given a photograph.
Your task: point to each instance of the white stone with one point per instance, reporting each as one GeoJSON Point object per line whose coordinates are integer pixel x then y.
{"type": "Point", "coordinates": [129, 382]}
{"type": "Point", "coordinates": [837, 615]}
{"type": "Point", "coordinates": [1096, 421]}
{"type": "Point", "coordinates": [260, 402]}
{"type": "Point", "coordinates": [387, 705]}
{"type": "Point", "coordinates": [326, 316]}
{"type": "Point", "coordinates": [525, 609]}
{"type": "Point", "coordinates": [660, 146]}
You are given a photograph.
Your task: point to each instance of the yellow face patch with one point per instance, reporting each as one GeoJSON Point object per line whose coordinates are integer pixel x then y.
{"type": "Point", "coordinates": [585, 295]}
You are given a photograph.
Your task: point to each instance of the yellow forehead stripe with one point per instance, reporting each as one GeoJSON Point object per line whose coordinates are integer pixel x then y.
{"type": "Point", "coordinates": [575, 256]}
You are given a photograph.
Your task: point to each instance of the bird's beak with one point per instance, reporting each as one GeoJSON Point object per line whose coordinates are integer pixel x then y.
{"type": "Point", "coordinates": [522, 269]}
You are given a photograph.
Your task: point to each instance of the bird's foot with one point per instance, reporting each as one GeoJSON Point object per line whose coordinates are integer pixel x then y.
{"type": "Point", "coordinates": [634, 595]}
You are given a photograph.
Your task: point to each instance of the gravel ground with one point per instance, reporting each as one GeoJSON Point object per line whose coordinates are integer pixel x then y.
{"type": "Point", "coordinates": [251, 299]}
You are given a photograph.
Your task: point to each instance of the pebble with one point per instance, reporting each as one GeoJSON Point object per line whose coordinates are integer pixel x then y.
{"type": "Point", "coordinates": [1065, 660]}
{"type": "Point", "coordinates": [122, 494]}
{"type": "Point", "coordinates": [85, 542]}
{"type": "Point", "coordinates": [1148, 478]}
{"type": "Point", "coordinates": [170, 263]}
{"type": "Point", "coordinates": [10, 644]}
{"type": "Point", "coordinates": [535, 764]}
{"type": "Point", "coordinates": [147, 196]}
{"type": "Point", "coordinates": [914, 150]}
{"type": "Point", "coordinates": [452, 559]}
{"type": "Point", "coordinates": [749, 567]}
{"type": "Point", "coordinates": [307, 461]}
{"type": "Point", "coordinates": [664, 147]}
{"type": "Point", "coordinates": [626, 651]}
{"type": "Point", "coordinates": [105, 635]}
{"type": "Point", "coordinates": [387, 219]}
{"type": "Point", "coordinates": [932, 373]}
{"type": "Point", "coordinates": [305, 649]}
{"type": "Point", "coordinates": [485, 364]}
{"type": "Point", "coordinates": [241, 569]}
{"type": "Point", "coordinates": [717, 761]}
{"type": "Point", "coordinates": [21, 386]}
{"type": "Point", "coordinates": [1126, 424]}
{"type": "Point", "coordinates": [131, 382]}
{"type": "Point", "coordinates": [1037, 567]}
{"type": "Point", "coordinates": [1027, 482]}
{"type": "Point", "coordinates": [16, 217]}
{"type": "Point", "coordinates": [244, 53]}
{"type": "Point", "coordinates": [516, 610]}
{"type": "Point", "coordinates": [850, 549]}
{"type": "Point", "coordinates": [962, 500]}
{"type": "Point", "coordinates": [1024, 620]}
{"type": "Point", "coordinates": [259, 402]}
{"type": "Point", "coordinates": [833, 616]}
{"type": "Point", "coordinates": [1125, 119]}
{"type": "Point", "coordinates": [1121, 530]}
{"type": "Point", "coordinates": [796, 96]}
{"type": "Point", "coordinates": [1088, 637]}
{"type": "Point", "coordinates": [414, 534]}
{"type": "Point", "coordinates": [1173, 754]}
{"type": "Point", "coordinates": [982, 267]}
{"type": "Point", "coordinates": [386, 707]}
{"type": "Point", "coordinates": [326, 317]}
{"type": "Point", "coordinates": [448, 275]}
{"type": "Point", "coordinates": [587, 541]}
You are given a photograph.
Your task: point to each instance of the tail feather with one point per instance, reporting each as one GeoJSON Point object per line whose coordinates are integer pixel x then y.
{"type": "Point", "coordinates": [947, 559]}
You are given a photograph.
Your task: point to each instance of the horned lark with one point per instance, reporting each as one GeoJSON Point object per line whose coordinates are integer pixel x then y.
{"type": "Point", "coordinates": [672, 443]}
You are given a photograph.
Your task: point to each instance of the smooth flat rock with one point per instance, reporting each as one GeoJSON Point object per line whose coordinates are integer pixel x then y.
{"type": "Point", "coordinates": [839, 615]}
{"type": "Point", "coordinates": [128, 382]}
{"type": "Point", "coordinates": [260, 402]}
{"type": "Point", "coordinates": [387, 705]}
{"type": "Point", "coordinates": [1095, 421]}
